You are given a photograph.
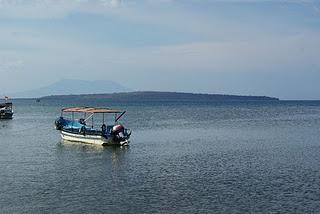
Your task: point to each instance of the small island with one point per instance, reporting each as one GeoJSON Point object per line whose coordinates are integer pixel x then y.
{"type": "Point", "coordinates": [155, 96]}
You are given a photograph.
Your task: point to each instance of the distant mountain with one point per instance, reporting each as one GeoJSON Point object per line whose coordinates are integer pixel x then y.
{"type": "Point", "coordinates": [151, 96]}
{"type": "Point", "coordinates": [70, 86]}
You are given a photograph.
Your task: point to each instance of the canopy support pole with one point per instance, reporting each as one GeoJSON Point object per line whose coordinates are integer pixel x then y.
{"type": "Point", "coordinates": [92, 121]}
{"type": "Point", "coordinates": [120, 116]}
{"type": "Point", "coordinates": [72, 120]}
{"type": "Point", "coordinates": [91, 115]}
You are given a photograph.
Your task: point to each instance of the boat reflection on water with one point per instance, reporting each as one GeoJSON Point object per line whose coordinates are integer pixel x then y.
{"type": "Point", "coordinates": [5, 124]}
{"type": "Point", "coordinates": [114, 153]}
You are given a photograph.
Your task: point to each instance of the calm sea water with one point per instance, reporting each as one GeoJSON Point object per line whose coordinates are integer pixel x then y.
{"type": "Point", "coordinates": [183, 158]}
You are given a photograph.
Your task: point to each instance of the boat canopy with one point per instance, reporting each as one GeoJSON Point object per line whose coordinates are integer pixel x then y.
{"type": "Point", "coordinates": [91, 110]}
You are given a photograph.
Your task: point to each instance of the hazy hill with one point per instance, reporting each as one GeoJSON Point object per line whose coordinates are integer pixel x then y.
{"type": "Point", "coordinates": [69, 86]}
{"type": "Point", "coordinates": [148, 96]}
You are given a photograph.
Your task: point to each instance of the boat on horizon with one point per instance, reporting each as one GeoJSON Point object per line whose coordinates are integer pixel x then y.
{"type": "Point", "coordinates": [77, 130]}
{"type": "Point", "coordinates": [6, 111]}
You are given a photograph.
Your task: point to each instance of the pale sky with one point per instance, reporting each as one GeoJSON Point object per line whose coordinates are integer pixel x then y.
{"type": "Point", "coordinates": [248, 47]}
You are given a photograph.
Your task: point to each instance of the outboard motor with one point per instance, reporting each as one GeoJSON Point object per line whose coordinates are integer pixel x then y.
{"type": "Point", "coordinates": [120, 133]}
{"type": "Point", "coordinates": [116, 129]}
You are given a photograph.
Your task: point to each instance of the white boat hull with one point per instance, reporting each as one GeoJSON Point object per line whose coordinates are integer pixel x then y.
{"type": "Point", "coordinates": [90, 139]}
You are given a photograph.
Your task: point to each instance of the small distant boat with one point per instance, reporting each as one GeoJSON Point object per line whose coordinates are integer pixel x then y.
{"type": "Point", "coordinates": [6, 111]}
{"type": "Point", "coordinates": [77, 130]}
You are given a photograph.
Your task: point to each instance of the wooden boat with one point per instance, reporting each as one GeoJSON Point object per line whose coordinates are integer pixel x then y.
{"type": "Point", "coordinates": [78, 130]}
{"type": "Point", "coordinates": [6, 111]}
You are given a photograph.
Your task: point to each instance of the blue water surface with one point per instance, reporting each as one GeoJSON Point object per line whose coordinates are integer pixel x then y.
{"type": "Point", "coordinates": [232, 157]}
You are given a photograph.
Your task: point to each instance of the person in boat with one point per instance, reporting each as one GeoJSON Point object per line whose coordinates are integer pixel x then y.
{"type": "Point", "coordinates": [82, 121]}
{"type": "Point", "coordinates": [104, 129]}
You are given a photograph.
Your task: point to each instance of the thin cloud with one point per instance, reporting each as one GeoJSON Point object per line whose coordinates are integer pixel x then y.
{"type": "Point", "coordinates": [115, 3]}
{"type": "Point", "coordinates": [40, 9]}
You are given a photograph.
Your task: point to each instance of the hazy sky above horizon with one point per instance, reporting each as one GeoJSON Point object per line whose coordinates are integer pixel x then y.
{"type": "Point", "coordinates": [249, 47]}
